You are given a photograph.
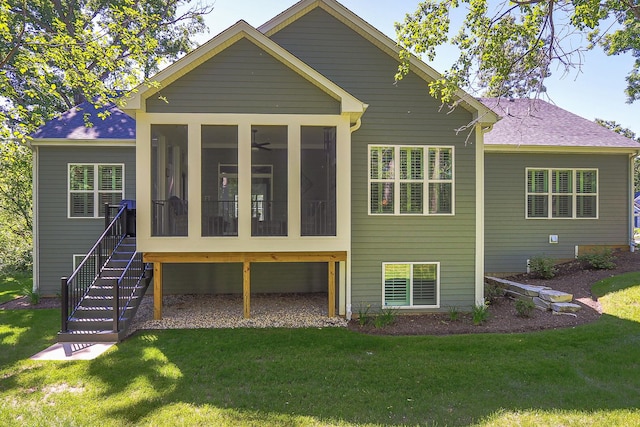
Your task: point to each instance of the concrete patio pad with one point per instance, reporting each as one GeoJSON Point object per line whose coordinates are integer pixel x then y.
{"type": "Point", "coordinates": [80, 351]}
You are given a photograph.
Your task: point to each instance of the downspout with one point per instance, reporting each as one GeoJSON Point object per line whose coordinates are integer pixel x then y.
{"type": "Point", "coordinates": [480, 200]}
{"type": "Point", "coordinates": [632, 218]}
{"type": "Point", "coordinates": [347, 275]}
{"type": "Point", "coordinates": [35, 238]}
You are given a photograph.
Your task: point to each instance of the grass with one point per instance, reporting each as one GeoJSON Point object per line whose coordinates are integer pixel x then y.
{"type": "Point", "coordinates": [12, 285]}
{"type": "Point", "coordinates": [585, 376]}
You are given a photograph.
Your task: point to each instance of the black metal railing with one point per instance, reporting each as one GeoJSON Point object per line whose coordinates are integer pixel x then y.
{"type": "Point", "coordinates": [170, 217]}
{"type": "Point", "coordinates": [219, 218]}
{"type": "Point", "coordinates": [318, 218]}
{"type": "Point", "coordinates": [269, 218]}
{"type": "Point", "coordinates": [125, 288]}
{"type": "Point", "coordinates": [76, 286]}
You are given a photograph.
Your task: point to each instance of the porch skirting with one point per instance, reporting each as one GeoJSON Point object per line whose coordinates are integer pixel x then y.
{"type": "Point", "coordinates": [246, 259]}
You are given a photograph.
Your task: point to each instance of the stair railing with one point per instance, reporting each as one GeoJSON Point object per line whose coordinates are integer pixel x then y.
{"type": "Point", "coordinates": [75, 287]}
{"type": "Point", "coordinates": [125, 288]}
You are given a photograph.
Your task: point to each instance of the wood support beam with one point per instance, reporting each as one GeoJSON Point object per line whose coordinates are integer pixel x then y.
{"type": "Point", "coordinates": [157, 291]}
{"type": "Point", "coordinates": [204, 257]}
{"type": "Point", "coordinates": [246, 288]}
{"type": "Point", "coordinates": [246, 258]}
{"type": "Point", "coordinates": [332, 289]}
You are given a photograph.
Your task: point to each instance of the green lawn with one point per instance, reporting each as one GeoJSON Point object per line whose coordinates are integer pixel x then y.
{"type": "Point", "coordinates": [585, 376]}
{"type": "Point", "coordinates": [12, 284]}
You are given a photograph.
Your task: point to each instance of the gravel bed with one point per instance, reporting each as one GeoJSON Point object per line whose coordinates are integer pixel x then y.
{"type": "Point", "coordinates": [226, 311]}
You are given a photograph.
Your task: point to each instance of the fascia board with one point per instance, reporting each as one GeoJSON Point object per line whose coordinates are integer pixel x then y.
{"type": "Point", "coordinates": [558, 149]}
{"type": "Point", "coordinates": [483, 114]}
{"type": "Point", "coordinates": [349, 103]}
{"type": "Point", "coordinates": [60, 142]}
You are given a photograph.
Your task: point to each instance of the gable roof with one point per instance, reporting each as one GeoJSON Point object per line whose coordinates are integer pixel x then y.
{"type": "Point", "coordinates": [534, 123]}
{"type": "Point", "coordinates": [242, 30]}
{"type": "Point", "coordinates": [379, 39]}
{"type": "Point", "coordinates": [72, 125]}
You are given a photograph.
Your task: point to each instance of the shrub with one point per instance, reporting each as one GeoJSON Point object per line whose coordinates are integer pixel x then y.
{"type": "Point", "coordinates": [493, 292]}
{"type": "Point", "coordinates": [525, 308]}
{"type": "Point", "coordinates": [363, 314]}
{"type": "Point", "coordinates": [543, 266]}
{"type": "Point", "coordinates": [454, 314]}
{"type": "Point", "coordinates": [386, 317]}
{"type": "Point", "coordinates": [599, 260]}
{"type": "Point", "coordinates": [480, 313]}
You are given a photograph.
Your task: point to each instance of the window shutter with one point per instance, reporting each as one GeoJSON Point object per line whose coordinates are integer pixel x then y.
{"type": "Point", "coordinates": [537, 206]}
{"type": "Point", "coordinates": [110, 178]}
{"type": "Point", "coordinates": [425, 284]}
{"type": "Point", "coordinates": [411, 198]}
{"type": "Point", "coordinates": [396, 284]}
{"type": "Point", "coordinates": [537, 181]}
{"type": "Point", "coordinates": [82, 205]}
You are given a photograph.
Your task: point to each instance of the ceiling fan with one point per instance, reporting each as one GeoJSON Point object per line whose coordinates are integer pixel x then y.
{"type": "Point", "coordinates": [258, 145]}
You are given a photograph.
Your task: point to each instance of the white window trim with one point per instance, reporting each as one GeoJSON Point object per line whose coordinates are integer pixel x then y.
{"type": "Point", "coordinates": [550, 194]}
{"type": "Point", "coordinates": [77, 259]}
{"type": "Point", "coordinates": [425, 181]}
{"type": "Point", "coordinates": [411, 306]}
{"type": "Point", "coordinates": [96, 192]}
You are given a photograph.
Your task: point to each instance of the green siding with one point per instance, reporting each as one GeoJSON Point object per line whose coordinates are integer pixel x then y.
{"type": "Point", "coordinates": [511, 239]}
{"type": "Point", "coordinates": [60, 238]}
{"type": "Point", "coordinates": [401, 113]}
{"type": "Point", "coordinates": [243, 79]}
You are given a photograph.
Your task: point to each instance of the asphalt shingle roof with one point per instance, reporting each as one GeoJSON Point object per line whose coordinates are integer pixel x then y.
{"type": "Point", "coordinates": [71, 124]}
{"type": "Point", "coordinates": [534, 122]}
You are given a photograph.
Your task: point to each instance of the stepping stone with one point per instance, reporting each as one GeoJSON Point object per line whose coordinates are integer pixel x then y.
{"type": "Point", "coordinates": [565, 307]}
{"type": "Point", "coordinates": [555, 296]}
{"type": "Point", "coordinates": [542, 304]}
{"type": "Point", "coordinates": [528, 290]}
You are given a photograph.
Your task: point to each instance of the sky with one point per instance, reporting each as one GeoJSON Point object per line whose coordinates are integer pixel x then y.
{"type": "Point", "coordinates": [595, 91]}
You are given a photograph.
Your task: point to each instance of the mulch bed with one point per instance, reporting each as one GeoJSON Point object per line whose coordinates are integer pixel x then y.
{"type": "Point", "coordinates": [572, 277]}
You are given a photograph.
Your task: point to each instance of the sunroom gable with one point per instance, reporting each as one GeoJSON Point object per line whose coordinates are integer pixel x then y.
{"type": "Point", "coordinates": [482, 114]}
{"type": "Point", "coordinates": [242, 71]}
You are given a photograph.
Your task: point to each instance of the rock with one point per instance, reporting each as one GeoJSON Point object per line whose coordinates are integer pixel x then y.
{"type": "Point", "coordinates": [542, 304]}
{"type": "Point", "coordinates": [529, 290]}
{"type": "Point", "coordinates": [555, 296]}
{"type": "Point", "coordinates": [565, 307]}
{"type": "Point", "coordinates": [558, 313]}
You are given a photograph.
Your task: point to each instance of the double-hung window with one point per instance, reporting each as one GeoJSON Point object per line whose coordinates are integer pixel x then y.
{"type": "Point", "coordinates": [93, 185]}
{"type": "Point", "coordinates": [562, 193]}
{"type": "Point", "coordinates": [411, 180]}
{"type": "Point", "coordinates": [410, 284]}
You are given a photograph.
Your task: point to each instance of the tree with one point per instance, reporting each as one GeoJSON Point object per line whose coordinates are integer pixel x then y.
{"type": "Point", "coordinates": [618, 128]}
{"type": "Point", "coordinates": [508, 50]}
{"type": "Point", "coordinates": [54, 54]}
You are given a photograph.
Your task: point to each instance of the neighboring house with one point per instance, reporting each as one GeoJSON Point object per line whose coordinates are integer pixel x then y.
{"type": "Point", "coordinates": [286, 159]}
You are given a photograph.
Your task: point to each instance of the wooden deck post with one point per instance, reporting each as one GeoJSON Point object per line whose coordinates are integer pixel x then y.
{"type": "Point", "coordinates": [157, 291]}
{"type": "Point", "coordinates": [332, 289]}
{"type": "Point", "coordinates": [246, 288]}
